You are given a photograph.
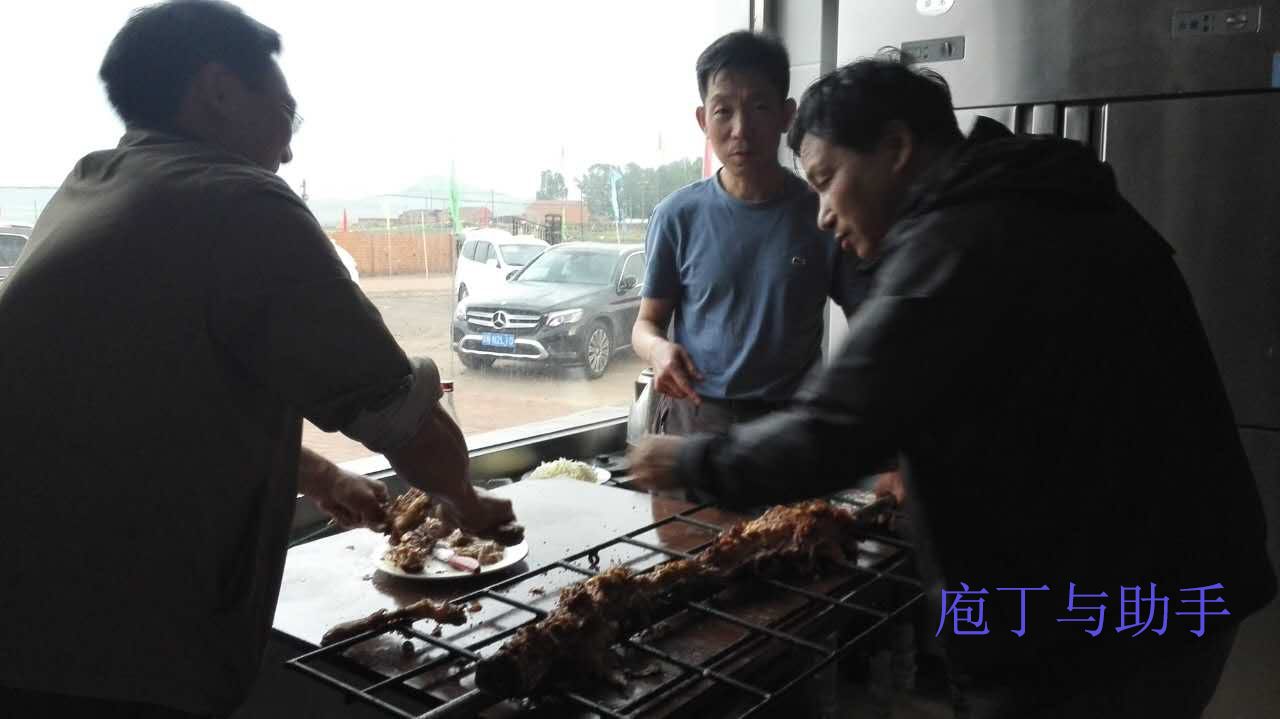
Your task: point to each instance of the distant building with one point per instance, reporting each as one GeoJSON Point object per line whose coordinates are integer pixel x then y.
{"type": "Point", "coordinates": [419, 217]}
{"type": "Point", "coordinates": [471, 216]}
{"type": "Point", "coordinates": [476, 216]}
{"type": "Point", "coordinates": [370, 223]}
{"type": "Point", "coordinates": [573, 212]}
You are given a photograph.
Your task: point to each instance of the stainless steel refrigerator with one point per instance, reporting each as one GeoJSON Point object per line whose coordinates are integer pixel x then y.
{"type": "Point", "coordinates": [1182, 99]}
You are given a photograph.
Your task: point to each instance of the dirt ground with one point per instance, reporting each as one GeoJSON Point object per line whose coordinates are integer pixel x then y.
{"type": "Point", "coordinates": [419, 310]}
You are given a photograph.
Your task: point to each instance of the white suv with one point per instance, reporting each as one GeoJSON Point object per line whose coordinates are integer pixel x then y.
{"type": "Point", "coordinates": [488, 256]}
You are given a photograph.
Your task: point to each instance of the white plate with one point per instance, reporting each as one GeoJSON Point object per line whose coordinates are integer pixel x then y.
{"type": "Point", "coordinates": [436, 569]}
{"type": "Point", "coordinates": [602, 475]}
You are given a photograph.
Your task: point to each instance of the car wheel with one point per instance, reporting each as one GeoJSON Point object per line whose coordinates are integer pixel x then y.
{"type": "Point", "coordinates": [597, 350]}
{"type": "Point", "coordinates": [462, 292]}
{"type": "Point", "coordinates": [477, 361]}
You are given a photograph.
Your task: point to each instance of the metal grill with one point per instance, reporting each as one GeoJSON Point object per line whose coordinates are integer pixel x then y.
{"type": "Point", "coordinates": [767, 659]}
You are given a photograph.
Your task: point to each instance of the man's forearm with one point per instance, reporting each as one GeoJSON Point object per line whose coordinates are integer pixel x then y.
{"type": "Point", "coordinates": [315, 473]}
{"type": "Point", "coordinates": [782, 457]}
{"type": "Point", "coordinates": [645, 335]}
{"type": "Point", "coordinates": [436, 460]}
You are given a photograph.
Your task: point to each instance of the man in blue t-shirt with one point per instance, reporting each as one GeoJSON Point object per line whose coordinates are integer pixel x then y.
{"type": "Point", "coordinates": [737, 260]}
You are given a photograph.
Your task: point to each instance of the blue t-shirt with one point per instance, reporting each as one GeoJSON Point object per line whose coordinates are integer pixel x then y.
{"type": "Point", "coordinates": [749, 282]}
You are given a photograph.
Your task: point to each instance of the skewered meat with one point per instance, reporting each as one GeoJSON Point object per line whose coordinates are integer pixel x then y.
{"type": "Point", "coordinates": [423, 609]}
{"type": "Point", "coordinates": [593, 614]}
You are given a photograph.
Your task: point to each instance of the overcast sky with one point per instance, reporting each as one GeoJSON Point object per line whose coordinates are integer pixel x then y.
{"type": "Point", "coordinates": [391, 91]}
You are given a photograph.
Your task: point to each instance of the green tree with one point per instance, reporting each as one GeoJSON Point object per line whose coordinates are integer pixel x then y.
{"type": "Point", "coordinates": [552, 186]}
{"type": "Point", "coordinates": [676, 174]}
{"type": "Point", "coordinates": [639, 191]}
{"type": "Point", "coordinates": [595, 190]}
{"type": "Point", "coordinates": [642, 188]}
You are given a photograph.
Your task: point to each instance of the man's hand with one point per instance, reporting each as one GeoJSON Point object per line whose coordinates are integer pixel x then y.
{"type": "Point", "coordinates": [354, 501]}
{"type": "Point", "coordinates": [653, 462]}
{"type": "Point", "coordinates": [436, 462]}
{"type": "Point", "coordinates": [480, 513]}
{"type": "Point", "coordinates": [674, 372]}
{"type": "Point", "coordinates": [890, 483]}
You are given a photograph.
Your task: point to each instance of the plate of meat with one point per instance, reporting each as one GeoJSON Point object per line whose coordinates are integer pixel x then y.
{"type": "Point", "coordinates": [423, 544]}
{"type": "Point", "coordinates": [412, 560]}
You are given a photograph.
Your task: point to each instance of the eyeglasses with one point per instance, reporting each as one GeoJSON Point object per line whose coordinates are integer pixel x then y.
{"type": "Point", "coordinates": [295, 120]}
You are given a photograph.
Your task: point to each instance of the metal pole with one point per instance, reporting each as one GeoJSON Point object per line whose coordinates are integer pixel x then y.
{"type": "Point", "coordinates": [426, 268]}
{"type": "Point", "coordinates": [387, 225]}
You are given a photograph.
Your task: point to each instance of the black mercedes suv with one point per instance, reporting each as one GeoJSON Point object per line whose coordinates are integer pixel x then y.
{"type": "Point", "coordinates": [572, 305]}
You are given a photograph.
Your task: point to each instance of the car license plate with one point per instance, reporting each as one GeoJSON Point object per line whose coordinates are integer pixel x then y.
{"type": "Point", "coordinates": [498, 339]}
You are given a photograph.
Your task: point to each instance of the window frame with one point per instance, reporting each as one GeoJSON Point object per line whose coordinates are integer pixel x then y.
{"type": "Point", "coordinates": [643, 264]}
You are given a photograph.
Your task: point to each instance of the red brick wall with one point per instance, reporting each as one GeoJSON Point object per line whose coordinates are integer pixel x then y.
{"type": "Point", "coordinates": [398, 252]}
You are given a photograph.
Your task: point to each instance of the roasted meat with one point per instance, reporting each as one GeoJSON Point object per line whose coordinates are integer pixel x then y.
{"type": "Point", "coordinates": [423, 609]}
{"type": "Point", "coordinates": [593, 614]}
{"type": "Point", "coordinates": [416, 524]}
{"type": "Point", "coordinates": [483, 551]}
{"type": "Point", "coordinates": [406, 512]}
{"type": "Point", "coordinates": [410, 509]}
{"type": "Point", "coordinates": [411, 553]}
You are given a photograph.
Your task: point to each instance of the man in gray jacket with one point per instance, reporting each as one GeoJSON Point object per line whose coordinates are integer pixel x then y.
{"type": "Point", "coordinates": [176, 314]}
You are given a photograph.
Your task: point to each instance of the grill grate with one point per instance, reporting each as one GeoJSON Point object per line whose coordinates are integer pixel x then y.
{"type": "Point", "coordinates": [415, 693]}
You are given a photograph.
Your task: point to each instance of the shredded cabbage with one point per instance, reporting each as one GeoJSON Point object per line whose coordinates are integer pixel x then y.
{"type": "Point", "coordinates": [566, 468]}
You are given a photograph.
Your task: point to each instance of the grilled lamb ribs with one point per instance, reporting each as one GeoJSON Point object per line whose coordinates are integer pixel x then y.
{"type": "Point", "coordinates": [575, 638]}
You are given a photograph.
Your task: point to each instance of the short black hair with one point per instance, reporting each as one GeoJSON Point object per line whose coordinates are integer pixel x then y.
{"type": "Point", "coordinates": [851, 105]}
{"type": "Point", "coordinates": [153, 59]}
{"type": "Point", "coordinates": [746, 51]}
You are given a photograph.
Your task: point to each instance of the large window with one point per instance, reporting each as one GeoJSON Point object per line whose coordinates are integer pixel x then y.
{"type": "Point", "coordinates": [458, 153]}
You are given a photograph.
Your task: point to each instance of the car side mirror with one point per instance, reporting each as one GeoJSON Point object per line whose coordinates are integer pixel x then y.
{"type": "Point", "coordinates": [626, 284]}
{"type": "Point", "coordinates": [492, 262]}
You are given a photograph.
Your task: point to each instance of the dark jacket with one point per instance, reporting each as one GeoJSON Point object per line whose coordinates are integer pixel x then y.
{"type": "Point", "coordinates": [1031, 351]}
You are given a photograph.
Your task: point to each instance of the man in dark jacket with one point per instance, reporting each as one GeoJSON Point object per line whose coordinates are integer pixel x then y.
{"type": "Point", "coordinates": [1031, 352]}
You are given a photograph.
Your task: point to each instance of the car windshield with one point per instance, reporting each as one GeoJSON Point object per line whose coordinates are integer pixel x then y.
{"type": "Point", "coordinates": [10, 248]}
{"type": "Point", "coordinates": [520, 255]}
{"type": "Point", "coordinates": [578, 267]}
